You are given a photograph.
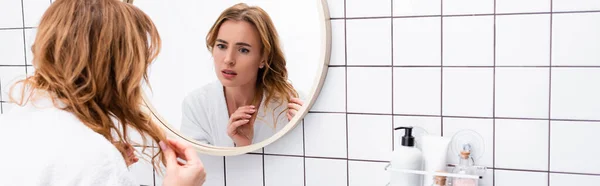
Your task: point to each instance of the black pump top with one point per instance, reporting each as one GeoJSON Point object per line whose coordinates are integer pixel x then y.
{"type": "Point", "coordinates": [407, 140]}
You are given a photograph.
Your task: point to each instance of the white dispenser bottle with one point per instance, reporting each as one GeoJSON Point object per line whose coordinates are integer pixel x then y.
{"type": "Point", "coordinates": [406, 157]}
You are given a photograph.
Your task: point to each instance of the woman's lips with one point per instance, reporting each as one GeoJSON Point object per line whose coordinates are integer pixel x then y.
{"type": "Point", "coordinates": [228, 74]}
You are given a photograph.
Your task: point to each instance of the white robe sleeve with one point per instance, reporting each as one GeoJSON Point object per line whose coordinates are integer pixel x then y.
{"type": "Point", "coordinates": [195, 122]}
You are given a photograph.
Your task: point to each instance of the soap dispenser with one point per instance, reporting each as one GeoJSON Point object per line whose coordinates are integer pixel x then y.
{"type": "Point", "coordinates": [406, 157]}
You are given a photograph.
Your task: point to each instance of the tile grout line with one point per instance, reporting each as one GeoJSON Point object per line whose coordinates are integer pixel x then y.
{"type": "Point", "coordinates": [304, 150]}
{"type": "Point", "coordinates": [442, 68]}
{"type": "Point", "coordinates": [550, 93]}
{"type": "Point", "coordinates": [392, 61]}
{"type": "Point", "coordinates": [457, 66]}
{"type": "Point", "coordinates": [468, 15]}
{"type": "Point", "coordinates": [23, 31]}
{"type": "Point", "coordinates": [494, 104]}
{"type": "Point", "coordinates": [346, 91]}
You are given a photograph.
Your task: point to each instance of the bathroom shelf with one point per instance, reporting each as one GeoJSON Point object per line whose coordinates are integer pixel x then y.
{"type": "Point", "coordinates": [480, 171]}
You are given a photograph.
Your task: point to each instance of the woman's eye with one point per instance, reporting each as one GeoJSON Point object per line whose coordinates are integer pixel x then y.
{"type": "Point", "coordinates": [244, 51]}
{"type": "Point", "coordinates": [220, 46]}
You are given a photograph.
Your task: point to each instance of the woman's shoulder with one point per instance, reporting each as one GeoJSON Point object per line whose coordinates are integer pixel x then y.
{"type": "Point", "coordinates": [203, 93]}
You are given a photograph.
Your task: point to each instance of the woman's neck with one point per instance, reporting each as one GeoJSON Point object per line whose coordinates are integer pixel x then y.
{"type": "Point", "coordinates": [240, 96]}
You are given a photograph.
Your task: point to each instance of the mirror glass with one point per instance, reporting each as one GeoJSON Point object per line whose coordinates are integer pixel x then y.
{"type": "Point", "coordinates": [234, 73]}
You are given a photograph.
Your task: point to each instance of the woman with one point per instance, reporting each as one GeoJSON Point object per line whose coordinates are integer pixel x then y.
{"type": "Point", "coordinates": [252, 99]}
{"type": "Point", "coordinates": [71, 127]}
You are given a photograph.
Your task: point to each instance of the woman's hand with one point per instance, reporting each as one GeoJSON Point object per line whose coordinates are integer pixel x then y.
{"type": "Point", "coordinates": [293, 107]}
{"type": "Point", "coordinates": [189, 174]}
{"type": "Point", "coordinates": [240, 129]}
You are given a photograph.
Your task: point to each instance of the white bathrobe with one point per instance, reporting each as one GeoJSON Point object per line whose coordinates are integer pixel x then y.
{"type": "Point", "coordinates": [205, 117]}
{"type": "Point", "coordinates": [43, 145]}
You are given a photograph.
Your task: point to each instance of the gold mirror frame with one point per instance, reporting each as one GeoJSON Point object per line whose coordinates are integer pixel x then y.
{"type": "Point", "coordinates": [325, 26]}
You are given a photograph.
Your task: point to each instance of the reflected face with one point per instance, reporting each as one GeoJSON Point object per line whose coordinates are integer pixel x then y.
{"type": "Point", "coordinates": [237, 53]}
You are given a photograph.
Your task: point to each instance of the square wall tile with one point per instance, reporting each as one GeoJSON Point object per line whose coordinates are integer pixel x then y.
{"type": "Point", "coordinates": [462, 129]}
{"type": "Point", "coordinates": [291, 143]}
{"type": "Point", "coordinates": [244, 170]}
{"type": "Point", "coordinates": [330, 172]}
{"type": "Point", "coordinates": [11, 14]}
{"type": "Point", "coordinates": [29, 40]}
{"type": "Point", "coordinates": [336, 8]}
{"type": "Point", "coordinates": [518, 6]}
{"type": "Point", "coordinates": [332, 97]}
{"type": "Point", "coordinates": [522, 144]}
{"type": "Point", "coordinates": [369, 41]}
{"type": "Point", "coordinates": [468, 41]}
{"type": "Point", "coordinates": [33, 11]}
{"type": "Point", "coordinates": [421, 126]}
{"type": "Point", "coordinates": [338, 42]}
{"type": "Point", "coordinates": [369, 137]}
{"type": "Point", "coordinates": [325, 135]}
{"type": "Point", "coordinates": [417, 7]}
{"type": "Point", "coordinates": [575, 93]}
{"type": "Point", "coordinates": [369, 90]}
{"type": "Point", "coordinates": [367, 173]}
{"type": "Point", "coordinates": [373, 8]}
{"type": "Point", "coordinates": [523, 40]}
{"type": "Point", "coordinates": [11, 47]}
{"type": "Point", "coordinates": [142, 171]}
{"type": "Point", "coordinates": [573, 147]}
{"type": "Point", "coordinates": [417, 90]}
{"type": "Point", "coordinates": [575, 39]}
{"type": "Point", "coordinates": [571, 179]}
{"type": "Point", "coordinates": [8, 77]}
{"type": "Point", "coordinates": [522, 92]}
{"type": "Point", "coordinates": [215, 169]}
{"type": "Point", "coordinates": [468, 92]}
{"type": "Point", "coordinates": [453, 7]}
{"type": "Point", "coordinates": [417, 41]}
{"type": "Point", "coordinates": [512, 178]}
{"type": "Point", "coordinates": [575, 5]}
{"type": "Point", "coordinates": [281, 170]}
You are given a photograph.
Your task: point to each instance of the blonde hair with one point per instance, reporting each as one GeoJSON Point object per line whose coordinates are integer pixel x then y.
{"type": "Point", "coordinates": [92, 55]}
{"type": "Point", "coordinates": [273, 78]}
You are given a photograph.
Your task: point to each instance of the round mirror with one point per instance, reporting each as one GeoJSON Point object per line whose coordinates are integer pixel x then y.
{"type": "Point", "coordinates": [234, 76]}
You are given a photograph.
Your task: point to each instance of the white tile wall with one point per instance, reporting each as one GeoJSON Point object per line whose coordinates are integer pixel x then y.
{"type": "Point", "coordinates": [331, 172]}
{"type": "Point", "coordinates": [11, 14]}
{"type": "Point", "coordinates": [367, 173]}
{"type": "Point", "coordinates": [280, 170]}
{"type": "Point", "coordinates": [417, 90]}
{"type": "Point", "coordinates": [369, 89]}
{"type": "Point", "coordinates": [369, 137]}
{"type": "Point", "coordinates": [531, 101]}
{"type": "Point", "coordinates": [417, 41]}
{"type": "Point", "coordinates": [11, 49]}
{"type": "Point", "coordinates": [452, 7]}
{"type": "Point", "coordinates": [468, 41]}
{"type": "Point", "coordinates": [573, 147]}
{"type": "Point", "coordinates": [575, 39]}
{"type": "Point", "coordinates": [526, 148]}
{"type": "Point", "coordinates": [516, 6]}
{"type": "Point", "coordinates": [512, 178]}
{"type": "Point", "coordinates": [368, 41]}
{"type": "Point", "coordinates": [570, 179]}
{"type": "Point", "coordinates": [416, 7]}
{"type": "Point", "coordinates": [33, 11]}
{"type": "Point", "coordinates": [523, 40]}
{"type": "Point", "coordinates": [326, 135]}
{"type": "Point", "coordinates": [359, 105]}
{"type": "Point", "coordinates": [373, 8]}
{"type": "Point", "coordinates": [468, 92]}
